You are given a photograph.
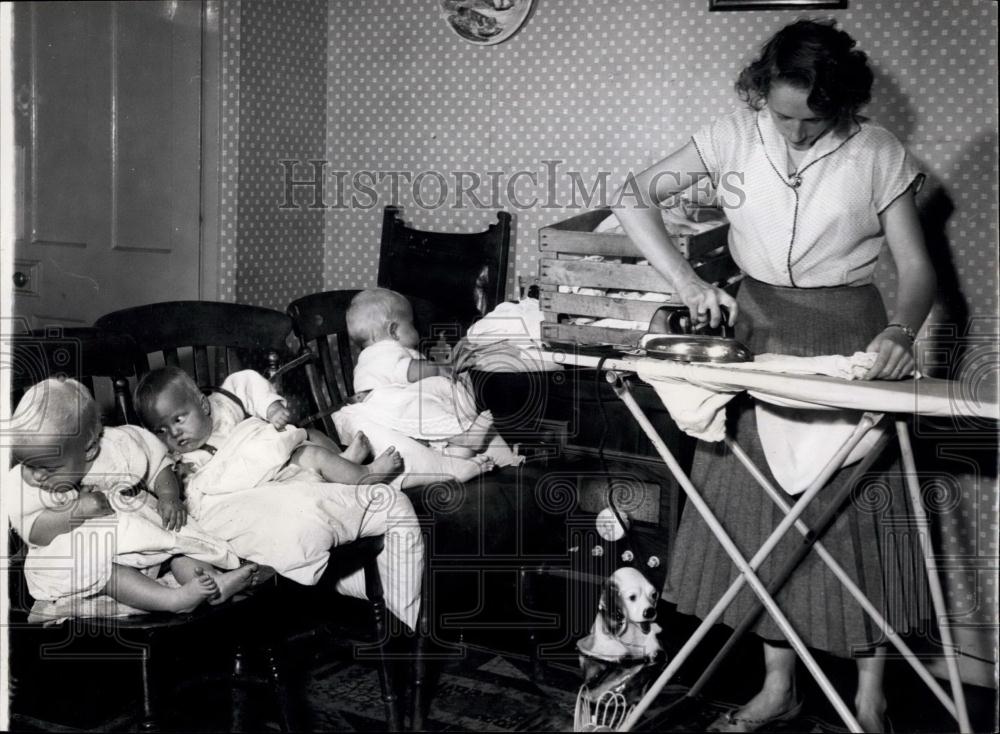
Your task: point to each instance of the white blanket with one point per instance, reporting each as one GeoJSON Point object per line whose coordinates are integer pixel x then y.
{"type": "Point", "coordinates": [509, 339]}
{"type": "Point", "coordinates": [78, 564]}
{"type": "Point", "coordinates": [286, 517]}
{"type": "Point", "coordinates": [798, 439]}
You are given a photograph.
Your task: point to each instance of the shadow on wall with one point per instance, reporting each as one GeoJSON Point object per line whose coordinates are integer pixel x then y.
{"type": "Point", "coordinates": [890, 106]}
{"type": "Point", "coordinates": [962, 332]}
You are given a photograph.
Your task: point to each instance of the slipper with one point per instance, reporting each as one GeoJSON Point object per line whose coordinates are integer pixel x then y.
{"type": "Point", "coordinates": [729, 722]}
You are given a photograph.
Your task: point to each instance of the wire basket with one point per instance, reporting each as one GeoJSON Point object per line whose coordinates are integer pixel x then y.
{"type": "Point", "coordinates": [605, 713]}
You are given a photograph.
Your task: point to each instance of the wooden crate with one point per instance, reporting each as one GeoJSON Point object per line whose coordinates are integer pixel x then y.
{"type": "Point", "coordinates": [562, 244]}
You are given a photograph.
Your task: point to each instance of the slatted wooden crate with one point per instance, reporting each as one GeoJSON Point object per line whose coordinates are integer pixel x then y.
{"type": "Point", "coordinates": [562, 244]}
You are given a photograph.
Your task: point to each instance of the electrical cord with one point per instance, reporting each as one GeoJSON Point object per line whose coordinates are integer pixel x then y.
{"type": "Point", "coordinates": [630, 540]}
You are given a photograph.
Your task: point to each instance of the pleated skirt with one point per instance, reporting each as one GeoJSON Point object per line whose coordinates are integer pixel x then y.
{"type": "Point", "coordinates": [872, 537]}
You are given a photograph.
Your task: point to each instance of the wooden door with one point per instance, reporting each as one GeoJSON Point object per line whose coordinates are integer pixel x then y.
{"type": "Point", "coordinates": [108, 132]}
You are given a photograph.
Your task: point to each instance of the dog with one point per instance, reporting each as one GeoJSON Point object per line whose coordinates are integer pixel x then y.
{"type": "Point", "coordinates": [624, 633]}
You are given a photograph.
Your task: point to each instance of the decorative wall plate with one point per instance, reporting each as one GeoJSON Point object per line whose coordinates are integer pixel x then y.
{"type": "Point", "coordinates": [485, 22]}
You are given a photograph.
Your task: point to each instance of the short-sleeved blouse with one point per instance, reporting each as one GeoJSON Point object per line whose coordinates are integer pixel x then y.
{"type": "Point", "coordinates": [815, 226]}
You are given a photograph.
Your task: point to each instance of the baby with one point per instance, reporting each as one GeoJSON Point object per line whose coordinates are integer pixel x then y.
{"type": "Point", "coordinates": [195, 426]}
{"type": "Point", "coordinates": [76, 485]}
{"type": "Point", "coordinates": [419, 397]}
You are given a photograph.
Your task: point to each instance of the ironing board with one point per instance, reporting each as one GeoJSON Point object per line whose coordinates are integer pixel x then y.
{"type": "Point", "coordinates": [926, 396]}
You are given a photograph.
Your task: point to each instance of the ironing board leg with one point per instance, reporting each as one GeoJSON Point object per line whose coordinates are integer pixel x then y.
{"type": "Point", "coordinates": [746, 568]}
{"type": "Point", "coordinates": [811, 536]}
{"type": "Point", "coordinates": [837, 571]}
{"type": "Point", "coordinates": [937, 595]}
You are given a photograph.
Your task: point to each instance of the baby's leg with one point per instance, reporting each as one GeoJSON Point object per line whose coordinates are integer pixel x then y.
{"type": "Point", "coordinates": [229, 583]}
{"type": "Point", "coordinates": [358, 450]}
{"type": "Point", "coordinates": [129, 586]}
{"type": "Point", "coordinates": [335, 468]}
{"type": "Point", "coordinates": [477, 436]}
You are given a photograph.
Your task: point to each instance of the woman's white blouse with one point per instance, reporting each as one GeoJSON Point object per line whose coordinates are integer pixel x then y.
{"type": "Point", "coordinates": [819, 225]}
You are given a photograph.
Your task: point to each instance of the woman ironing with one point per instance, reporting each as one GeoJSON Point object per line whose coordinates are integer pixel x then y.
{"type": "Point", "coordinates": [823, 191]}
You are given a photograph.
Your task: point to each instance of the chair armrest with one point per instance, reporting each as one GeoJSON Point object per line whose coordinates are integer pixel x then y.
{"type": "Point", "coordinates": [304, 358]}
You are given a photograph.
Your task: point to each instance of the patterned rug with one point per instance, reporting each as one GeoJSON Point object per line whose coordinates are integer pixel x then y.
{"type": "Point", "coordinates": [491, 691]}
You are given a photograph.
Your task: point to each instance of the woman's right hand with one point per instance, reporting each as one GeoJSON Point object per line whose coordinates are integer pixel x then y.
{"type": "Point", "coordinates": [705, 302]}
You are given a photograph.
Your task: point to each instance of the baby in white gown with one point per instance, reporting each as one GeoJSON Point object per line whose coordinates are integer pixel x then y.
{"type": "Point", "coordinates": [405, 391]}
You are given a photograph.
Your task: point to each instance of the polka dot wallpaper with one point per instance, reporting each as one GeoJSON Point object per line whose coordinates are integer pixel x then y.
{"type": "Point", "coordinates": [276, 101]}
{"type": "Point", "coordinates": [405, 112]}
{"type": "Point", "coordinates": [591, 90]}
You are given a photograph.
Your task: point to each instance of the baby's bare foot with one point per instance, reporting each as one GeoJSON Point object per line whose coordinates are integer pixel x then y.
{"type": "Point", "coordinates": [384, 466]}
{"type": "Point", "coordinates": [483, 422]}
{"type": "Point", "coordinates": [359, 449]}
{"type": "Point", "coordinates": [194, 592]}
{"type": "Point", "coordinates": [233, 582]}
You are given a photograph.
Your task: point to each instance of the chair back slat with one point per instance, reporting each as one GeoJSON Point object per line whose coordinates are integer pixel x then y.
{"type": "Point", "coordinates": [208, 339]}
{"type": "Point", "coordinates": [464, 275]}
{"type": "Point", "coordinates": [320, 322]}
{"type": "Point", "coordinates": [102, 361]}
{"type": "Point", "coordinates": [348, 356]}
{"type": "Point", "coordinates": [202, 370]}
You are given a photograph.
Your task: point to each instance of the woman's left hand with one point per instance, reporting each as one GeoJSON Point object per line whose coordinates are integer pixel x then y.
{"type": "Point", "coordinates": [895, 356]}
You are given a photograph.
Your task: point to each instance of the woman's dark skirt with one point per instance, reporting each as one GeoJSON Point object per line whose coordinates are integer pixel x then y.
{"type": "Point", "coordinates": [872, 537]}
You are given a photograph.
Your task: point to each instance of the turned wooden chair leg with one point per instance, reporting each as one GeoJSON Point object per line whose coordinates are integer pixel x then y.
{"type": "Point", "coordinates": [279, 687]}
{"type": "Point", "coordinates": [238, 692]}
{"type": "Point", "coordinates": [528, 577]}
{"type": "Point", "coordinates": [148, 722]}
{"type": "Point", "coordinates": [390, 699]}
{"type": "Point", "coordinates": [419, 667]}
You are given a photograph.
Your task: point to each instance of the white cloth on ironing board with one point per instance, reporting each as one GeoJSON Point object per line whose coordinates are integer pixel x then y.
{"type": "Point", "coordinates": [509, 339]}
{"type": "Point", "coordinates": [798, 439]}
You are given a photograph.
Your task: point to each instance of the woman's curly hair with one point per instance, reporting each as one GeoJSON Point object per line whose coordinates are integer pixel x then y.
{"type": "Point", "coordinates": [813, 55]}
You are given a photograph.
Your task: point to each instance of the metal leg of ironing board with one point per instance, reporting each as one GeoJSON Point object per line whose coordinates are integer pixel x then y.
{"type": "Point", "coordinates": [937, 595]}
{"type": "Point", "coordinates": [811, 536]}
{"type": "Point", "coordinates": [811, 541]}
{"type": "Point", "coordinates": [746, 568]}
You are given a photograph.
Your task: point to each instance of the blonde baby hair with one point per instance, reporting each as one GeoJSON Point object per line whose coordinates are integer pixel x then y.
{"type": "Point", "coordinates": [371, 313]}
{"type": "Point", "coordinates": [58, 409]}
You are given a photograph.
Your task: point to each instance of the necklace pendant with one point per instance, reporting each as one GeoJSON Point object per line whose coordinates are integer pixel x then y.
{"type": "Point", "coordinates": [794, 180]}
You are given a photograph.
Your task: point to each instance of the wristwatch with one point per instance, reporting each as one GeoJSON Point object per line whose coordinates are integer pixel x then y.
{"type": "Point", "coordinates": [907, 331]}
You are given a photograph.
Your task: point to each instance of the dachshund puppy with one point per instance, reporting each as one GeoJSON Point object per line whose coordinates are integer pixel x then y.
{"type": "Point", "coordinates": [624, 631]}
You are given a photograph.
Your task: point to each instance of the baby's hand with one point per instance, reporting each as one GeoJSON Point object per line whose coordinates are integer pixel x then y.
{"type": "Point", "coordinates": [172, 513]}
{"type": "Point", "coordinates": [183, 470]}
{"type": "Point", "coordinates": [278, 415]}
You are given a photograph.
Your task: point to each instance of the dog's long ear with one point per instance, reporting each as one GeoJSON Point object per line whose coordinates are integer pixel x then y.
{"type": "Point", "coordinates": [612, 610]}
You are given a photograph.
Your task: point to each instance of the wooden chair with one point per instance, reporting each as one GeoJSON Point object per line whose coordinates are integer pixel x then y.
{"type": "Point", "coordinates": [459, 277]}
{"type": "Point", "coordinates": [212, 340]}
{"type": "Point", "coordinates": [106, 362]}
{"type": "Point", "coordinates": [320, 323]}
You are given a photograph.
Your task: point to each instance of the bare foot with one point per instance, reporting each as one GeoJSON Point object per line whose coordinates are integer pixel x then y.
{"type": "Point", "coordinates": [233, 582]}
{"type": "Point", "coordinates": [358, 450]}
{"type": "Point", "coordinates": [199, 589]}
{"type": "Point", "coordinates": [384, 466]}
{"type": "Point", "coordinates": [482, 423]}
{"type": "Point", "coordinates": [466, 469]}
